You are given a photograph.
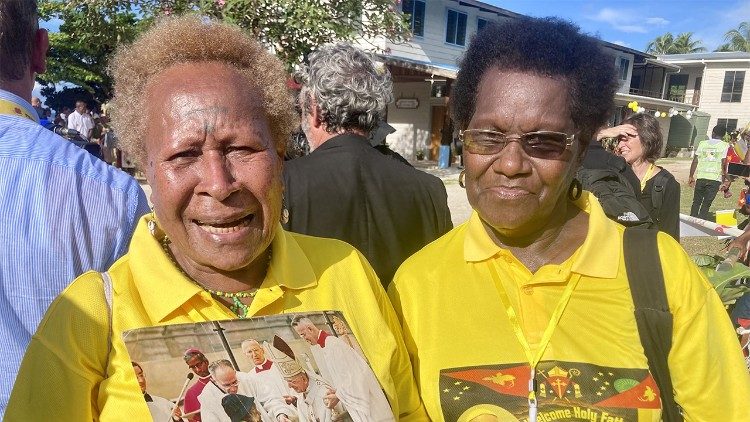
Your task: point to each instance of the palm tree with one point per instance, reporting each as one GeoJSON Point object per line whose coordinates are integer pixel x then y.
{"type": "Point", "coordinates": [737, 39]}
{"type": "Point", "coordinates": [684, 44]}
{"type": "Point", "coordinates": [663, 44]}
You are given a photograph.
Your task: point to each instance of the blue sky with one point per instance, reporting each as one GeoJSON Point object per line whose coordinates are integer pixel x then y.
{"type": "Point", "coordinates": [634, 23]}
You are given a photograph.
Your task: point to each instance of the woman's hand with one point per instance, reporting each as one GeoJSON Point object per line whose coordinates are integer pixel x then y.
{"type": "Point", "coordinates": [617, 132]}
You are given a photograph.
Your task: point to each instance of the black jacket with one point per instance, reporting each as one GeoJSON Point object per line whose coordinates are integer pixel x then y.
{"type": "Point", "coordinates": [347, 190]}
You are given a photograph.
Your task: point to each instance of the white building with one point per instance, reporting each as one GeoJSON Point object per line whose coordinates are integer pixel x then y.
{"type": "Point", "coordinates": [424, 68]}
{"type": "Point", "coordinates": [715, 83]}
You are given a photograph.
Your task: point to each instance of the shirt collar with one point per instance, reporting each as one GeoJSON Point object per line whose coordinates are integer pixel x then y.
{"type": "Point", "coordinates": [343, 140]}
{"type": "Point", "coordinates": [322, 336]}
{"type": "Point", "coordinates": [163, 287]}
{"type": "Point", "coordinates": [9, 96]}
{"type": "Point", "coordinates": [594, 258]}
{"type": "Point", "coordinates": [265, 366]}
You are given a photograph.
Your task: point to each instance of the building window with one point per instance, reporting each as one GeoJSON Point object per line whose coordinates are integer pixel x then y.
{"type": "Point", "coordinates": [455, 31]}
{"type": "Point", "coordinates": [415, 10]}
{"type": "Point", "coordinates": [731, 92]}
{"type": "Point", "coordinates": [677, 87]}
{"type": "Point", "coordinates": [481, 23]}
{"type": "Point", "coordinates": [728, 124]}
{"type": "Point", "coordinates": [623, 67]}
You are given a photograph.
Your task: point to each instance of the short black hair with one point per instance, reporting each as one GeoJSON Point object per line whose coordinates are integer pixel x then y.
{"type": "Point", "coordinates": [545, 46]}
{"type": "Point", "coordinates": [719, 131]}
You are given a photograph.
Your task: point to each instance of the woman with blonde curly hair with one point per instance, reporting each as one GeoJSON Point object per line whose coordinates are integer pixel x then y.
{"type": "Point", "coordinates": [206, 112]}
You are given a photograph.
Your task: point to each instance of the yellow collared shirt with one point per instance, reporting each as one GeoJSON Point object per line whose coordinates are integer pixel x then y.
{"type": "Point", "coordinates": [62, 376]}
{"type": "Point", "coordinates": [468, 362]}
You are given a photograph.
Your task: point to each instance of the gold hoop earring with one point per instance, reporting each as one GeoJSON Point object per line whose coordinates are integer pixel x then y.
{"type": "Point", "coordinates": [575, 190]}
{"type": "Point", "coordinates": [461, 179]}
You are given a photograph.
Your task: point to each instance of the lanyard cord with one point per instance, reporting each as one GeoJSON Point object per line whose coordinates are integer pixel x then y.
{"type": "Point", "coordinates": [10, 108]}
{"type": "Point", "coordinates": [515, 324]}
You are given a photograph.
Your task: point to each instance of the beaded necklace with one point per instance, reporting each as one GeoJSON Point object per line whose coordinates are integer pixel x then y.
{"type": "Point", "coordinates": [237, 307]}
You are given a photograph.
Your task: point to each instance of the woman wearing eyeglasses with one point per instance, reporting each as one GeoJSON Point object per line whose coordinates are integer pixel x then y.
{"type": "Point", "coordinates": [534, 287]}
{"type": "Point", "coordinates": [639, 142]}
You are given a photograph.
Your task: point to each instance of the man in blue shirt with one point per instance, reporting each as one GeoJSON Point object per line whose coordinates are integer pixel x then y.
{"type": "Point", "coordinates": [62, 211]}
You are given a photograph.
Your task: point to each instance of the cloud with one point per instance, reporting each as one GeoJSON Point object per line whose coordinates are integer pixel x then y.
{"type": "Point", "coordinates": [622, 43]}
{"type": "Point", "coordinates": [627, 21]}
{"type": "Point", "coordinates": [657, 21]}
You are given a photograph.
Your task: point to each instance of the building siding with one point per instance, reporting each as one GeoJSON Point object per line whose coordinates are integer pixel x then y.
{"type": "Point", "coordinates": [713, 81]}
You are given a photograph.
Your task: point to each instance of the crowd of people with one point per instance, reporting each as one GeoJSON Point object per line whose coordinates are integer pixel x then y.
{"type": "Point", "coordinates": [533, 309]}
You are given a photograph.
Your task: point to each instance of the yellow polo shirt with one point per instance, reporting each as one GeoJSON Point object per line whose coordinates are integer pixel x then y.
{"type": "Point", "coordinates": [469, 363]}
{"type": "Point", "coordinates": [62, 375]}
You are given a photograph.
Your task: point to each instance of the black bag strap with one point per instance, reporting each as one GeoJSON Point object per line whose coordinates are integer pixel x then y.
{"type": "Point", "coordinates": [652, 314]}
{"type": "Point", "coordinates": [657, 190]}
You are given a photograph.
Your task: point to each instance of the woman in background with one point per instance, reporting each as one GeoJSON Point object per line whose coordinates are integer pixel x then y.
{"type": "Point", "coordinates": [640, 142]}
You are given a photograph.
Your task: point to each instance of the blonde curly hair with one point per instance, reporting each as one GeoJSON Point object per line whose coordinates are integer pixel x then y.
{"type": "Point", "coordinates": [194, 39]}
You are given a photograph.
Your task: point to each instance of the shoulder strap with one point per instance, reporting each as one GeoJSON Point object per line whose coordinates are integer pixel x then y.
{"type": "Point", "coordinates": [652, 313]}
{"type": "Point", "coordinates": [107, 282]}
{"type": "Point", "coordinates": [657, 190]}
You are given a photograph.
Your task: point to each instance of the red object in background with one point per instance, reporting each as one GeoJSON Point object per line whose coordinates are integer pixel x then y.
{"type": "Point", "coordinates": [732, 156]}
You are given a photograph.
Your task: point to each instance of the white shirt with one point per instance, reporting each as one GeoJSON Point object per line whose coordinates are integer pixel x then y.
{"type": "Point", "coordinates": [272, 378]}
{"type": "Point", "coordinates": [355, 383]}
{"type": "Point", "coordinates": [160, 408]}
{"type": "Point", "coordinates": [83, 123]}
{"type": "Point", "coordinates": [267, 404]}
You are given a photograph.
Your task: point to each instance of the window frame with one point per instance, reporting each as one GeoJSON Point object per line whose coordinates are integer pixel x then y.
{"type": "Point", "coordinates": [620, 69]}
{"type": "Point", "coordinates": [729, 96]}
{"type": "Point", "coordinates": [486, 22]}
{"type": "Point", "coordinates": [455, 35]}
{"type": "Point", "coordinates": [412, 16]}
{"type": "Point", "coordinates": [726, 122]}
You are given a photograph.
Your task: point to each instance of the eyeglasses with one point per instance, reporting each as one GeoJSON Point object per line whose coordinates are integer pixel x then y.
{"type": "Point", "coordinates": [541, 144]}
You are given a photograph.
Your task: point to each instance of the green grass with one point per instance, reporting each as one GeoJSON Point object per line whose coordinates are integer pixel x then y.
{"type": "Point", "coordinates": [709, 245]}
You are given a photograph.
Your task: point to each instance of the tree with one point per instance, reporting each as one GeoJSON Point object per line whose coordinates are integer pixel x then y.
{"type": "Point", "coordinates": [67, 97]}
{"type": "Point", "coordinates": [92, 29]}
{"type": "Point", "coordinates": [669, 44]}
{"type": "Point", "coordinates": [684, 44]}
{"type": "Point", "coordinates": [663, 44]}
{"type": "Point", "coordinates": [293, 28]}
{"type": "Point", "coordinates": [737, 39]}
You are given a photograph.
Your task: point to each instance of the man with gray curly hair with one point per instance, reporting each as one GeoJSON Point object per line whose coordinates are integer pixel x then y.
{"type": "Point", "coordinates": [347, 190]}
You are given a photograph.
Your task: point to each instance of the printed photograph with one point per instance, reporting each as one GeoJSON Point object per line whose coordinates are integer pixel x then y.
{"type": "Point", "coordinates": [305, 367]}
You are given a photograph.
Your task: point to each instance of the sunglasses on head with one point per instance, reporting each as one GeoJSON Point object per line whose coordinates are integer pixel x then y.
{"type": "Point", "coordinates": [541, 144]}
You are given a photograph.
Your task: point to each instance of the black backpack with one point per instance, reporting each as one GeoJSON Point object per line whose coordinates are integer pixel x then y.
{"type": "Point", "coordinates": [616, 196]}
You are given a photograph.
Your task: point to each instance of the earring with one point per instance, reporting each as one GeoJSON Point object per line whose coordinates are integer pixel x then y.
{"type": "Point", "coordinates": [152, 226]}
{"type": "Point", "coordinates": [284, 210]}
{"type": "Point", "coordinates": [284, 215]}
{"type": "Point", "coordinates": [461, 179]}
{"type": "Point", "coordinates": [575, 190]}
{"type": "Point", "coordinates": [154, 229]}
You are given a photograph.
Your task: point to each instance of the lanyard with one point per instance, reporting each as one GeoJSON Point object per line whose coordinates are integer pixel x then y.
{"type": "Point", "coordinates": [646, 176]}
{"type": "Point", "coordinates": [513, 318]}
{"type": "Point", "coordinates": [13, 109]}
